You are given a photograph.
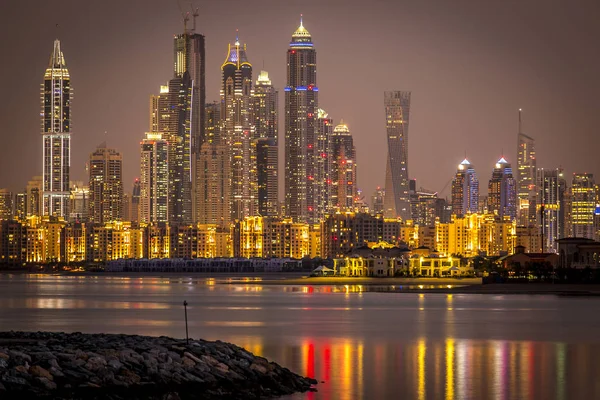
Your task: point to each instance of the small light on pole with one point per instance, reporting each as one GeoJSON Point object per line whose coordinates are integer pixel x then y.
{"type": "Point", "coordinates": [187, 339]}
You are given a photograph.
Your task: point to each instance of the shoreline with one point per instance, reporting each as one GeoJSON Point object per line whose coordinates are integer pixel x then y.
{"type": "Point", "coordinates": [111, 366]}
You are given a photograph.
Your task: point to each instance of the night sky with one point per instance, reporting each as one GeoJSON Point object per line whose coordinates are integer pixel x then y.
{"type": "Point", "coordinates": [470, 65]}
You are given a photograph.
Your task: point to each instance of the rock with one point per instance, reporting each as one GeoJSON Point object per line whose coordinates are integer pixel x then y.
{"type": "Point", "coordinates": [188, 362]}
{"type": "Point", "coordinates": [128, 377]}
{"type": "Point", "coordinates": [22, 369]}
{"type": "Point", "coordinates": [114, 364]}
{"type": "Point", "coordinates": [192, 357]}
{"type": "Point", "coordinates": [19, 354]}
{"type": "Point", "coordinates": [3, 363]}
{"type": "Point", "coordinates": [14, 381]}
{"type": "Point", "coordinates": [2, 388]}
{"type": "Point", "coordinates": [95, 363]}
{"type": "Point", "coordinates": [4, 356]}
{"type": "Point", "coordinates": [40, 372]}
{"type": "Point", "coordinates": [45, 383]}
{"type": "Point", "coordinates": [259, 368]}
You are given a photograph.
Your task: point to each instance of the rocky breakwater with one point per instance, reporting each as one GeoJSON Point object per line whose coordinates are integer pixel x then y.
{"type": "Point", "coordinates": [99, 366]}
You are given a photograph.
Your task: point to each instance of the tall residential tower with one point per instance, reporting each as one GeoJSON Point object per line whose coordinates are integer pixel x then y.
{"type": "Point", "coordinates": [56, 130]}
{"type": "Point", "coordinates": [465, 190]}
{"type": "Point", "coordinates": [526, 178]}
{"type": "Point", "coordinates": [301, 104]}
{"type": "Point", "coordinates": [502, 196]}
{"type": "Point", "coordinates": [397, 111]}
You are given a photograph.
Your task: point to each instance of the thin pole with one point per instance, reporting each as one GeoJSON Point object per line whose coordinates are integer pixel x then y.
{"type": "Point", "coordinates": [187, 338]}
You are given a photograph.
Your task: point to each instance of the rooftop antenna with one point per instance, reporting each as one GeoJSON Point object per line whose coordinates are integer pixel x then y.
{"type": "Point", "coordinates": [520, 120]}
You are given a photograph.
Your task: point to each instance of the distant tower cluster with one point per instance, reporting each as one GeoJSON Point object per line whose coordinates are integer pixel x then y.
{"type": "Point", "coordinates": [56, 132]}
{"type": "Point", "coordinates": [397, 112]}
{"type": "Point", "coordinates": [465, 190]}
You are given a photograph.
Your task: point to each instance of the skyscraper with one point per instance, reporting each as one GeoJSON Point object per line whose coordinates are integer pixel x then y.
{"type": "Point", "coordinates": [502, 195]}
{"type": "Point", "coordinates": [583, 205]}
{"type": "Point", "coordinates": [550, 207]}
{"type": "Point", "coordinates": [465, 190]}
{"type": "Point", "coordinates": [189, 57]}
{"type": "Point", "coordinates": [343, 170]}
{"type": "Point", "coordinates": [526, 178]}
{"type": "Point", "coordinates": [106, 185]}
{"type": "Point", "coordinates": [397, 111]}
{"type": "Point", "coordinates": [377, 200]}
{"type": "Point", "coordinates": [153, 186]}
{"type": "Point", "coordinates": [265, 132]}
{"type": "Point", "coordinates": [318, 168]}
{"type": "Point", "coordinates": [236, 114]}
{"type": "Point", "coordinates": [56, 130]}
{"type": "Point", "coordinates": [6, 204]}
{"type": "Point", "coordinates": [214, 184]}
{"type": "Point", "coordinates": [301, 105]}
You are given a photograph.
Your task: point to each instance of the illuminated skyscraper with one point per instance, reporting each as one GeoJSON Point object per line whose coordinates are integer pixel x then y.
{"type": "Point", "coordinates": [190, 60]}
{"type": "Point", "coordinates": [106, 185]}
{"type": "Point", "coordinates": [318, 167]}
{"type": "Point", "coordinates": [214, 185]}
{"type": "Point", "coordinates": [397, 111]}
{"type": "Point", "coordinates": [502, 195]}
{"type": "Point", "coordinates": [377, 200]}
{"type": "Point", "coordinates": [465, 190]}
{"type": "Point", "coordinates": [301, 104]}
{"type": "Point", "coordinates": [236, 114]}
{"type": "Point", "coordinates": [526, 178]}
{"type": "Point", "coordinates": [583, 205]}
{"type": "Point", "coordinates": [343, 169]}
{"type": "Point", "coordinates": [154, 180]}
{"type": "Point", "coordinates": [6, 204]}
{"type": "Point", "coordinates": [550, 207]}
{"type": "Point", "coordinates": [56, 130]}
{"type": "Point", "coordinates": [265, 132]}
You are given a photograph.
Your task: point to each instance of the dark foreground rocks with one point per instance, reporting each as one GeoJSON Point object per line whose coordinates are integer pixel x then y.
{"type": "Point", "coordinates": [81, 366]}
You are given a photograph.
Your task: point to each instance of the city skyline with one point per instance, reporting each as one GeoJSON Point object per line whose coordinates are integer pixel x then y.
{"type": "Point", "coordinates": [369, 132]}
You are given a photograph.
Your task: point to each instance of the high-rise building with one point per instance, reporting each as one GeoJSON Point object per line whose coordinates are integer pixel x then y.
{"type": "Point", "coordinates": [318, 168]}
{"type": "Point", "coordinates": [214, 184]}
{"type": "Point", "coordinates": [79, 207]}
{"type": "Point", "coordinates": [502, 194]}
{"type": "Point", "coordinates": [301, 105]}
{"type": "Point", "coordinates": [526, 178]}
{"type": "Point", "coordinates": [465, 190]}
{"type": "Point", "coordinates": [21, 206]}
{"type": "Point", "coordinates": [134, 204]}
{"type": "Point", "coordinates": [34, 196]}
{"type": "Point", "coordinates": [550, 207]}
{"type": "Point", "coordinates": [343, 168]}
{"type": "Point", "coordinates": [236, 114]}
{"type": "Point", "coordinates": [153, 186]}
{"type": "Point", "coordinates": [106, 185]}
{"type": "Point", "coordinates": [6, 204]}
{"type": "Point", "coordinates": [265, 132]}
{"type": "Point", "coordinates": [397, 111]}
{"type": "Point", "coordinates": [212, 121]}
{"type": "Point", "coordinates": [377, 200]}
{"type": "Point", "coordinates": [56, 131]}
{"type": "Point", "coordinates": [189, 58]}
{"type": "Point", "coordinates": [583, 205]}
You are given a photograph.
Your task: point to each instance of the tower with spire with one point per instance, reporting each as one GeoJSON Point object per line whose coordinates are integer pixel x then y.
{"type": "Point", "coordinates": [301, 105]}
{"type": "Point", "coordinates": [56, 94]}
{"type": "Point", "coordinates": [236, 116]}
{"type": "Point", "coordinates": [526, 177]}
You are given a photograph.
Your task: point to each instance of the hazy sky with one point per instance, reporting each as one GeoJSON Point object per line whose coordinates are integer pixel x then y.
{"type": "Point", "coordinates": [470, 64]}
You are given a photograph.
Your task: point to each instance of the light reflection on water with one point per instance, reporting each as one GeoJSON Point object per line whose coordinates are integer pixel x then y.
{"type": "Point", "coordinates": [363, 344]}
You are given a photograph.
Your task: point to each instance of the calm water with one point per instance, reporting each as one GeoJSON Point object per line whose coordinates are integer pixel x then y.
{"type": "Point", "coordinates": [364, 345]}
